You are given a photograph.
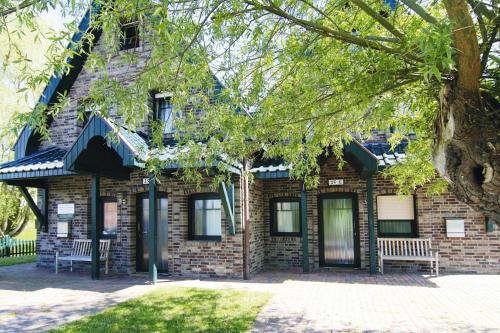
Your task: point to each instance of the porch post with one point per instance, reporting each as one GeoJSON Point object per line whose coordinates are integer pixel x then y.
{"type": "Point", "coordinates": [152, 231]}
{"type": "Point", "coordinates": [305, 231]}
{"type": "Point", "coordinates": [371, 225]}
{"type": "Point", "coordinates": [94, 211]}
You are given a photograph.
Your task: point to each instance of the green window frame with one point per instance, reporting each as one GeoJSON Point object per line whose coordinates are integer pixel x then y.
{"type": "Point", "coordinates": [205, 217]}
{"type": "Point", "coordinates": [285, 217]}
{"type": "Point", "coordinates": [400, 224]}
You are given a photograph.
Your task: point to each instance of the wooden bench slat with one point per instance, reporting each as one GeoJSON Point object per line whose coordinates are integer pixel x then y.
{"type": "Point", "coordinates": [82, 251]}
{"type": "Point", "coordinates": [415, 249]}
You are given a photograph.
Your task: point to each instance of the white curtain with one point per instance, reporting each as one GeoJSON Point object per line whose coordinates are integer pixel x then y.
{"type": "Point", "coordinates": [287, 216]}
{"type": "Point", "coordinates": [208, 217]}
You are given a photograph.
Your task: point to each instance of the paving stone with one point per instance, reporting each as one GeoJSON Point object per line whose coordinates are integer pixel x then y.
{"type": "Point", "coordinates": [34, 300]}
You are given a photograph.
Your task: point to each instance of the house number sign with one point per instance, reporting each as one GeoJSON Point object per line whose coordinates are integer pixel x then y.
{"type": "Point", "coordinates": [335, 182]}
{"type": "Point", "coordinates": [145, 181]}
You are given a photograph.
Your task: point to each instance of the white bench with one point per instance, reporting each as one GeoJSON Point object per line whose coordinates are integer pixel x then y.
{"type": "Point", "coordinates": [417, 249]}
{"type": "Point", "coordinates": [81, 251]}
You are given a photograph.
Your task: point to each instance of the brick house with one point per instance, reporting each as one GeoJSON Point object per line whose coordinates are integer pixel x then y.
{"type": "Point", "coordinates": [92, 188]}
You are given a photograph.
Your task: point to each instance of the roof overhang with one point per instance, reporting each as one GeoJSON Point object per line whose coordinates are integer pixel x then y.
{"type": "Point", "coordinates": [128, 145]}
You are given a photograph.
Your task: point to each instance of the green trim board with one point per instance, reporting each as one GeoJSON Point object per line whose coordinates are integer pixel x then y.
{"type": "Point", "coordinates": [100, 127]}
{"type": "Point", "coordinates": [152, 229]}
{"type": "Point", "coordinates": [226, 192]}
{"type": "Point", "coordinates": [59, 84]}
{"type": "Point", "coordinates": [371, 225]}
{"type": "Point", "coordinates": [41, 217]}
{"type": "Point", "coordinates": [95, 230]}
{"type": "Point", "coordinates": [305, 230]}
{"type": "Point", "coordinates": [35, 174]}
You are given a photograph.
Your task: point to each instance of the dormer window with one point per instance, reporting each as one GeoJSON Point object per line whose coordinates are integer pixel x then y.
{"type": "Point", "coordinates": [129, 36]}
{"type": "Point", "coordinates": [164, 111]}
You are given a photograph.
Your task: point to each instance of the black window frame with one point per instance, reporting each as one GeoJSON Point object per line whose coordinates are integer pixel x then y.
{"type": "Point", "coordinates": [414, 224]}
{"type": "Point", "coordinates": [125, 41]}
{"type": "Point", "coordinates": [156, 114]}
{"type": "Point", "coordinates": [191, 216]}
{"type": "Point", "coordinates": [103, 200]}
{"type": "Point", "coordinates": [274, 220]}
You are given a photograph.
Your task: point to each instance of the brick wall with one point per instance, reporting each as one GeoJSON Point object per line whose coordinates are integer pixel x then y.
{"type": "Point", "coordinates": [478, 251]}
{"type": "Point", "coordinates": [185, 257]}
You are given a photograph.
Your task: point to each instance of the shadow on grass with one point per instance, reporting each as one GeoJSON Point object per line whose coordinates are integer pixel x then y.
{"type": "Point", "coordinates": [177, 310]}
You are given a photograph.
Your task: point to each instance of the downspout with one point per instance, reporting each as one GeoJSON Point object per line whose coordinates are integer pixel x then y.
{"type": "Point", "coordinates": [305, 229]}
{"type": "Point", "coordinates": [371, 224]}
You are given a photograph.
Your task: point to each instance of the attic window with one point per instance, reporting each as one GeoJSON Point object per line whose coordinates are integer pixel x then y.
{"type": "Point", "coordinates": [129, 36]}
{"type": "Point", "coordinates": [164, 111]}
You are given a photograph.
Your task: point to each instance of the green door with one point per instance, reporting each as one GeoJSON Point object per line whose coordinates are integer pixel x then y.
{"type": "Point", "coordinates": [339, 244]}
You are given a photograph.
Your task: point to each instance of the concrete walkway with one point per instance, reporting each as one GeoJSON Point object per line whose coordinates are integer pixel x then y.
{"type": "Point", "coordinates": [35, 300]}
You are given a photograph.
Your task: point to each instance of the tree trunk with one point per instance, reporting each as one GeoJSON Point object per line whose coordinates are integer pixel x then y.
{"type": "Point", "coordinates": [466, 151]}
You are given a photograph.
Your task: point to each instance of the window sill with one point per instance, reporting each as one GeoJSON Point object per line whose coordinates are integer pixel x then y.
{"type": "Point", "coordinates": [112, 237]}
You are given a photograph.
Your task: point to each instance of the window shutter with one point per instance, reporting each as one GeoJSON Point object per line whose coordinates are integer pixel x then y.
{"type": "Point", "coordinates": [395, 207]}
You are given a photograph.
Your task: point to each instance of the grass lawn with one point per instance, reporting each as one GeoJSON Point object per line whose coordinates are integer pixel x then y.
{"type": "Point", "coordinates": [177, 310]}
{"type": "Point", "coordinates": [9, 261]}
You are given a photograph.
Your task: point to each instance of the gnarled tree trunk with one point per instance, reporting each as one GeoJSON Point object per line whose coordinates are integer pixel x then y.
{"type": "Point", "coordinates": [466, 151]}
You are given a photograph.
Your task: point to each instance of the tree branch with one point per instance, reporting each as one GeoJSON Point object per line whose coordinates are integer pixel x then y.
{"type": "Point", "coordinates": [335, 34]}
{"type": "Point", "coordinates": [420, 11]}
{"type": "Point", "coordinates": [466, 44]}
{"type": "Point", "coordinates": [379, 18]}
{"type": "Point", "coordinates": [486, 47]}
{"type": "Point", "coordinates": [22, 5]}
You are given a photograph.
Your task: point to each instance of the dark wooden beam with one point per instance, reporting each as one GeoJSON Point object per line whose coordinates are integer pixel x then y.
{"type": "Point", "coordinates": [40, 216]}
{"type": "Point", "coordinates": [96, 234]}
{"type": "Point", "coordinates": [38, 183]}
{"type": "Point", "coordinates": [226, 192]}
{"type": "Point", "coordinates": [152, 231]}
{"type": "Point", "coordinates": [371, 225]}
{"type": "Point", "coordinates": [305, 231]}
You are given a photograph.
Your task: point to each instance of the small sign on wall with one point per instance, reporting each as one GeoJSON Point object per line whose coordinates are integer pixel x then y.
{"type": "Point", "coordinates": [335, 182]}
{"type": "Point", "coordinates": [63, 229]}
{"type": "Point", "coordinates": [66, 210]}
{"type": "Point", "coordinates": [455, 227]}
{"type": "Point", "coordinates": [145, 181]}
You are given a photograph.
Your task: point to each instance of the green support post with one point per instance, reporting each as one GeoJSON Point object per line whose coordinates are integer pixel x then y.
{"type": "Point", "coordinates": [305, 233]}
{"type": "Point", "coordinates": [152, 232]}
{"type": "Point", "coordinates": [94, 211]}
{"type": "Point", "coordinates": [371, 225]}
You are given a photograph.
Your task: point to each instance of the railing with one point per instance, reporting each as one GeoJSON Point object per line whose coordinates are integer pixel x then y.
{"type": "Point", "coordinates": [10, 247]}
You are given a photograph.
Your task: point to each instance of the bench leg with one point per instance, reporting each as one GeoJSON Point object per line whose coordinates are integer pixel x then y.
{"type": "Point", "coordinates": [437, 264]}
{"type": "Point", "coordinates": [382, 266]}
{"type": "Point", "coordinates": [71, 265]}
{"type": "Point", "coordinates": [57, 261]}
{"type": "Point", "coordinates": [106, 263]}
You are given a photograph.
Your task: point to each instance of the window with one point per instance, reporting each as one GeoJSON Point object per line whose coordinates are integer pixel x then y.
{"type": "Point", "coordinates": [396, 216]}
{"type": "Point", "coordinates": [129, 36]}
{"type": "Point", "coordinates": [285, 217]}
{"type": "Point", "coordinates": [205, 217]}
{"type": "Point", "coordinates": [109, 217]}
{"type": "Point", "coordinates": [164, 112]}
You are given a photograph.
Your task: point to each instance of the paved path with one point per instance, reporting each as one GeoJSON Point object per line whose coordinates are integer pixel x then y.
{"type": "Point", "coordinates": [35, 300]}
